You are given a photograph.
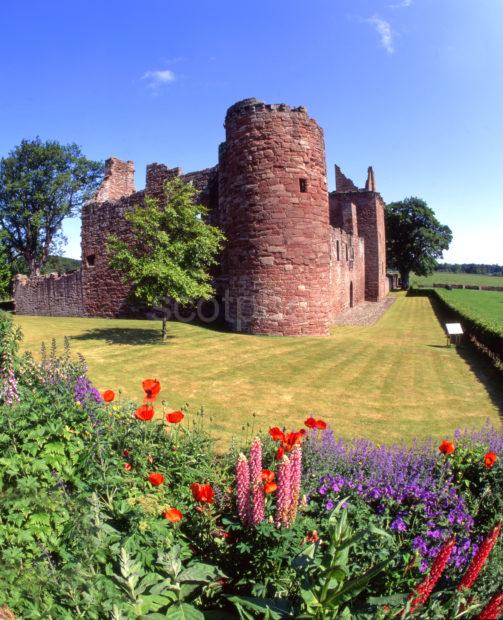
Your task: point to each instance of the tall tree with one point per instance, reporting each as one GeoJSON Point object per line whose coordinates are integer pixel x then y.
{"type": "Point", "coordinates": [415, 239]}
{"type": "Point", "coordinates": [41, 183]}
{"type": "Point", "coordinates": [171, 250]}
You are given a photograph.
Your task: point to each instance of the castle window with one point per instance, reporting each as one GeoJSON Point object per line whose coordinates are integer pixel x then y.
{"type": "Point", "coordinates": [303, 185]}
{"type": "Point", "coordinates": [90, 260]}
{"type": "Point", "coordinates": [338, 251]}
{"type": "Point", "coordinates": [347, 252]}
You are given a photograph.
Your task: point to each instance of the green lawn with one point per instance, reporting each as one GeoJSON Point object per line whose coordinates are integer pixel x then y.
{"type": "Point", "coordinates": [393, 380]}
{"type": "Point", "coordinates": [440, 277]}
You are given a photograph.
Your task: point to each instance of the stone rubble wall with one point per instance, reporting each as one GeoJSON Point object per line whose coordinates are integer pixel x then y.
{"type": "Point", "coordinates": [49, 295]}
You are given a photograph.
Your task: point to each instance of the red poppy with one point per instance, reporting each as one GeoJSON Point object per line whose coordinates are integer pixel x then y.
{"type": "Point", "coordinates": [175, 416]}
{"type": "Point", "coordinates": [312, 537]}
{"type": "Point", "coordinates": [173, 515]}
{"type": "Point", "coordinates": [280, 453]}
{"type": "Point", "coordinates": [310, 423]}
{"type": "Point", "coordinates": [270, 487]}
{"type": "Point", "coordinates": [144, 412]}
{"type": "Point", "coordinates": [125, 453]}
{"type": "Point", "coordinates": [292, 439]}
{"type": "Point", "coordinates": [446, 447]}
{"type": "Point", "coordinates": [127, 467]}
{"type": "Point", "coordinates": [108, 396]}
{"type": "Point", "coordinates": [202, 492]}
{"type": "Point", "coordinates": [490, 459]}
{"type": "Point", "coordinates": [156, 479]}
{"type": "Point", "coordinates": [267, 475]}
{"type": "Point", "coordinates": [151, 387]}
{"type": "Point", "coordinates": [277, 434]}
{"type": "Point", "coordinates": [321, 425]}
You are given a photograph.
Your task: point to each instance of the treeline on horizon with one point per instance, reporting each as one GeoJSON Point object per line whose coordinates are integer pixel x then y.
{"type": "Point", "coordinates": [54, 264]}
{"type": "Point", "coordinates": [490, 270]}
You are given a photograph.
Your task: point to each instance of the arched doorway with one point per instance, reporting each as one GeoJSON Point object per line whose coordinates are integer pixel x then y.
{"type": "Point", "coordinates": [350, 294]}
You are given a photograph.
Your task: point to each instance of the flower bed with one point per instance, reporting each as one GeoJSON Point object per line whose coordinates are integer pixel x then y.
{"type": "Point", "coordinates": [115, 509]}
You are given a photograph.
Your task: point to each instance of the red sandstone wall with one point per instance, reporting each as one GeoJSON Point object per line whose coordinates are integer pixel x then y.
{"type": "Point", "coordinates": [347, 267]}
{"type": "Point", "coordinates": [104, 291]}
{"type": "Point", "coordinates": [370, 222]}
{"type": "Point", "coordinates": [277, 258]}
{"type": "Point", "coordinates": [50, 295]}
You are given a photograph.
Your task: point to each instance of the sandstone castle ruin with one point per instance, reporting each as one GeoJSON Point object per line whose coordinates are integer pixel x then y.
{"type": "Point", "coordinates": [295, 256]}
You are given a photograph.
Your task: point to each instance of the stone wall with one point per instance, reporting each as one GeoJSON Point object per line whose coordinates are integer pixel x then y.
{"type": "Point", "coordinates": [294, 257]}
{"type": "Point", "coordinates": [347, 271]}
{"type": "Point", "coordinates": [105, 293]}
{"type": "Point", "coordinates": [49, 295]}
{"type": "Point", "coordinates": [369, 212]}
{"type": "Point", "coordinates": [273, 207]}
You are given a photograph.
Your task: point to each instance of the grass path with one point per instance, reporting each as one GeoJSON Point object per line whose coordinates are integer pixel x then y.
{"type": "Point", "coordinates": [392, 380]}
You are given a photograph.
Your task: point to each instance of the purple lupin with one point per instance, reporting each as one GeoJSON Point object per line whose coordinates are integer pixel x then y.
{"type": "Point", "coordinates": [257, 488]}
{"type": "Point", "coordinates": [284, 495]}
{"type": "Point", "coordinates": [296, 475]}
{"type": "Point", "coordinates": [243, 489]}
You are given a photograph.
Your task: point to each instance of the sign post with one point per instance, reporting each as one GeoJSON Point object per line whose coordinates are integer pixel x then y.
{"type": "Point", "coordinates": [454, 333]}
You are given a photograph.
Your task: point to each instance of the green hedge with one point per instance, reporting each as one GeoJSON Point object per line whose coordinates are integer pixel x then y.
{"type": "Point", "coordinates": [488, 333]}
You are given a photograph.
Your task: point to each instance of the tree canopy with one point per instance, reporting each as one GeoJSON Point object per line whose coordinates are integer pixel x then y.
{"type": "Point", "coordinates": [171, 250]}
{"type": "Point", "coordinates": [415, 239]}
{"type": "Point", "coordinates": [41, 183]}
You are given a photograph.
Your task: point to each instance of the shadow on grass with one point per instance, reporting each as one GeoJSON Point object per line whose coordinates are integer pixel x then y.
{"type": "Point", "coordinates": [480, 364]}
{"type": "Point", "coordinates": [123, 335]}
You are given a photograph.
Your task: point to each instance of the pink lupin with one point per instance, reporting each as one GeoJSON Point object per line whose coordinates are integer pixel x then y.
{"type": "Point", "coordinates": [243, 489]}
{"type": "Point", "coordinates": [284, 493]}
{"type": "Point", "coordinates": [296, 475]}
{"type": "Point", "coordinates": [257, 488]}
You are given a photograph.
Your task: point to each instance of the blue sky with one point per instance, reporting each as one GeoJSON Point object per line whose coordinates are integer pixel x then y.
{"type": "Point", "coordinates": [413, 87]}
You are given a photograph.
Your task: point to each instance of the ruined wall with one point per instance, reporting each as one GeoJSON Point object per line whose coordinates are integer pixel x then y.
{"type": "Point", "coordinates": [49, 295]}
{"type": "Point", "coordinates": [369, 209]}
{"type": "Point", "coordinates": [294, 258]}
{"type": "Point", "coordinates": [274, 213]}
{"type": "Point", "coordinates": [347, 271]}
{"type": "Point", "coordinates": [104, 291]}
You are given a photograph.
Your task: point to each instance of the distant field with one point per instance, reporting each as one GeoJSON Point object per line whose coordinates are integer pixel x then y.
{"type": "Point", "coordinates": [390, 381]}
{"type": "Point", "coordinates": [441, 277]}
{"type": "Point", "coordinates": [486, 305]}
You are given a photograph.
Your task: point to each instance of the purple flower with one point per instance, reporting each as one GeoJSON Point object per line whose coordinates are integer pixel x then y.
{"type": "Point", "coordinates": [399, 525]}
{"type": "Point", "coordinates": [330, 505]}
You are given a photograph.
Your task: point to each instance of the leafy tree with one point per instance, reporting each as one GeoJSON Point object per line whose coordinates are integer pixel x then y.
{"type": "Point", "coordinates": [41, 183]}
{"type": "Point", "coordinates": [414, 238]}
{"type": "Point", "coordinates": [171, 250]}
{"type": "Point", "coordinates": [61, 264]}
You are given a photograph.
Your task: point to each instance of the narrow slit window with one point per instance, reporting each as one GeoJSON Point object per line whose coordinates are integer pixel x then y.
{"type": "Point", "coordinates": [347, 252]}
{"type": "Point", "coordinates": [90, 260]}
{"type": "Point", "coordinates": [303, 185]}
{"type": "Point", "coordinates": [338, 251]}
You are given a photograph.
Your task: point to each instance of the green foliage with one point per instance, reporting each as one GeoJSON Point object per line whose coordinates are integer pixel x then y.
{"type": "Point", "coordinates": [172, 250]}
{"type": "Point", "coordinates": [60, 264]}
{"type": "Point", "coordinates": [325, 574]}
{"type": "Point", "coordinates": [478, 312]}
{"type": "Point", "coordinates": [41, 183]}
{"type": "Point", "coordinates": [10, 337]}
{"type": "Point", "coordinates": [83, 533]}
{"type": "Point", "coordinates": [415, 239]}
{"type": "Point", "coordinates": [5, 272]}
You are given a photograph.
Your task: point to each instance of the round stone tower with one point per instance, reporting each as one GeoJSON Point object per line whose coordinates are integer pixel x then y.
{"type": "Point", "coordinates": [273, 208]}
